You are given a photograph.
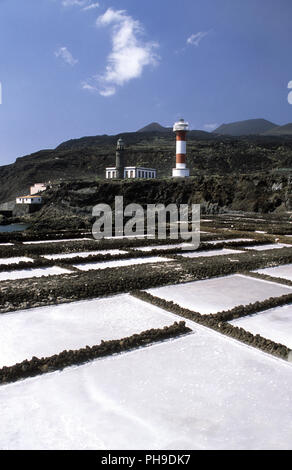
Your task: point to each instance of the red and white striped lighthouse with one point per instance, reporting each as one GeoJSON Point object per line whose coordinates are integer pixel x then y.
{"type": "Point", "coordinates": [181, 128]}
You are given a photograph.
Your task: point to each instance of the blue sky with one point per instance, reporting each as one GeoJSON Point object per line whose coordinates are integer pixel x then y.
{"type": "Point", "coordinates": [71, 68]}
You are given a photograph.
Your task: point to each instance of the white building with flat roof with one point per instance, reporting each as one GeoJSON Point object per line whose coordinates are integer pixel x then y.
{"type": "Point", "coordinates": [132, 172]}
{"type": "Point", "coordinates": [37, 188]}
{"type": "Point", "coordinates": [29, 200]}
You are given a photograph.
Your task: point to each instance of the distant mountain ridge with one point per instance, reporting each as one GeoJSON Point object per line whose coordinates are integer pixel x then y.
{"type": "Point", "coordinates": [280, 130]}
{"type": "Point", "coordinates": [247, 127]}
{"type": "Point", "coordinates": [154, 127]}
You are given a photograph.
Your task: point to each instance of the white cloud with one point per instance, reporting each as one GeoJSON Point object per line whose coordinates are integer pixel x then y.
{"type": "Point", "coordinates": [87, 86]}
{"type": "Point", "coordinates": [70, 3]}
{"type": "Point", "coordinates": [91, 6]}
{"type": "Point", "coordinates": [211, 127]}
{"type": "Point", "coordinates": [66, 56]}
{"type": "Point", "coordinates": [93, 86]}
{"type": "Point", "coordinates": [84, 4]}
{"type": "Point", "coordinates": [107, 91]}
{"type": "Point", "coordinates": [290, 84]}
{"type": "Point", "coordinates": [129, 54]}
{"type": "Point", "coordinates": [195, 39]}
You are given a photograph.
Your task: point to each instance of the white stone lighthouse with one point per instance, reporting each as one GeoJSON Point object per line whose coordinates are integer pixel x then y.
{"type": "Point", "coordinates": [181, 128]}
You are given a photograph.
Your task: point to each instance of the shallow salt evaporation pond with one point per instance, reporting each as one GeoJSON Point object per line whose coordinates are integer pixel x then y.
{"type": "Point", "coordinates": [84, 254]}
{"type": "Point", "coordinates": [119, 263]}
{"type": "Point", "coordinates": [120, 237]}
{"type": "Point", "coordinates": [200, 391]}
{"type": "Point", "coordinates": [15, 259]}
{"type": "Point", "coordinates": [35, 242]}
{"type": "Point", "coordinates": [33, 272]}
{"type": "Point", "coordinates": [204, 254]}
{"type": "Point", "coordinates": [269, 246]}
{"type": "Point", "coordinates": [220, 293]}
{"type": "Point", "coordinates": [284, 271]}
{"type": "Point", "coordinates": [274, 324]}
{"type": "Point", "coordinates": [164, 247]}
{"type": "Point", "coordinates": [45, 331]}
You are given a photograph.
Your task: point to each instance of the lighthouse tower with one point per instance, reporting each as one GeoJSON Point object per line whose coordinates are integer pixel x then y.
{"type": "Point", "coordinates": [181, 128]}
{"type": "Point", "coordinates": [120, 160]}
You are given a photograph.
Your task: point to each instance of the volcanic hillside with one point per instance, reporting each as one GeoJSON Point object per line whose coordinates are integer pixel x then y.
{"type": "Point", "coordinates": [86, 158]}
